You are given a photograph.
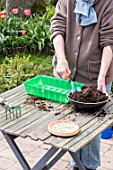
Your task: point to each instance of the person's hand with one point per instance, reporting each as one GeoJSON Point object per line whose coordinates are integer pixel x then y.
{"type": "Point", "coordinates": [63, 69]}
{"type": "Point", "coordinates": [101, 84]}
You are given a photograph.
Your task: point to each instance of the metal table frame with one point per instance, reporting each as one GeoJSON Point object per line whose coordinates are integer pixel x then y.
{"type": "Point", "coordinates": [42, 163]}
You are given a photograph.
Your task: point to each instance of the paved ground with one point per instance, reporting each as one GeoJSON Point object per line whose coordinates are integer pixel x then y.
{"type": "Point", "coordinates": [30, 149]}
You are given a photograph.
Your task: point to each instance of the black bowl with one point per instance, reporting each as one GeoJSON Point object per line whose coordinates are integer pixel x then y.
{"type": "Point", "coordinates": [87, 106]}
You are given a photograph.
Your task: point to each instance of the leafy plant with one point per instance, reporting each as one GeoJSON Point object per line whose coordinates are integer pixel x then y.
{"type": "Point", "coordinates": [10, 30]}
{"type": "Point", "coordinates": [36, 31]}
{"type": "Point", "coordinates": [15, 70]}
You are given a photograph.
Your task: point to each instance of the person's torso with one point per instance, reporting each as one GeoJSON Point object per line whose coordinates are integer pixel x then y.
{"type": "Point", "coordinates": [82, 44]}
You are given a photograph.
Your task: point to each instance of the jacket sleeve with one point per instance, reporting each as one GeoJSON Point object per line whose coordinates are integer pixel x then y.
{"type": "Point", "coordinates": [106, 29]}
{"type": "Point", "coordinates": [58, 21]}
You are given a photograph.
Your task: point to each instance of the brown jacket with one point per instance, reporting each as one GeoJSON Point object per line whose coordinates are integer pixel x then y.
{"type": "Point", "coordinates": [84, 45]}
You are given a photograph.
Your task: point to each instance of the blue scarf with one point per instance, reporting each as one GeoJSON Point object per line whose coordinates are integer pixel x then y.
{"type": "Point", "coordinates": [85, 12]}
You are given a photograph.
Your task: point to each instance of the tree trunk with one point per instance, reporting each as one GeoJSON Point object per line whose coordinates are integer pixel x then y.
{"type": "Point", "coordinates": [20, 4]}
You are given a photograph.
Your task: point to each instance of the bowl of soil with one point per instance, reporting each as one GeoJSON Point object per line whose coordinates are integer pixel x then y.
{"type": "Point", "coordinates": [89, 99]}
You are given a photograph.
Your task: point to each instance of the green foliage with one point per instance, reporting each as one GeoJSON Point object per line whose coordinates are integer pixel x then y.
{"type": "Point", "coordinates": [2, 4]}
{"type": "Point", "coordinates": [44, 64]}
{"type": "Point", "coordinates": [37, 31]}
{"type": "Point", "coordinates": [51, 2]}
{"type": "Point", "coordinates": [15, 70]}
{"type": "Point", "coordinates": [39, 7]}
{"type": "Point", "coordinates": [112, 88]}
{"type": "Point", "coordinates": [49, 13]}
{"type": "Point", "coordinates": [10, 31]}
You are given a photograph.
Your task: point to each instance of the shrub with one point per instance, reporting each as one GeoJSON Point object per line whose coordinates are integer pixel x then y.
{"type": "Point", "coordinates": [15, 70]}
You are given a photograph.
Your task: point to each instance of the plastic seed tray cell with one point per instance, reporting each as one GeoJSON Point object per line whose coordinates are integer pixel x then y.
{"type": "Point", "coordinates": [50, 88]}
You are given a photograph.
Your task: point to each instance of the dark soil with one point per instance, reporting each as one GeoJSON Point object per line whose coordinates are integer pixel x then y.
{"type": "Point", "coordinates": [39, 103]}
{"type": "Point", "coordinates": [88, 95]}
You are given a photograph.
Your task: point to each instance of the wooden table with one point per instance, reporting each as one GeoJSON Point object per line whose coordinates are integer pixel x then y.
{"type": "Point", "coordinates": [34, 121]}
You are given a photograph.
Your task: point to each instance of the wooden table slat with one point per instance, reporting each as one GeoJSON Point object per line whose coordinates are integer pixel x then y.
{"type": "Point", "coordinates": [91, 136]}
{"type": "Point", "coordinates": [14, 100]}
{"type": "Point", "coordinates": [42, 124]}
{"type": "Point", "coordinates": [23, 131]}
{"type": "Point", "coordinates": [24, 110]}
{"type": "Point", "coordinates": [78, 118]}
{"type": "Point", "coordinates": [59, 142]}
{"type": "Point", "coordinates": [12, 91]}
{"type": "Point", "coordinates": [34, 122]}
{"type": "Point", "coordinates": [67, 141]}
{"type": "Point", "coordinates": [22, 122]}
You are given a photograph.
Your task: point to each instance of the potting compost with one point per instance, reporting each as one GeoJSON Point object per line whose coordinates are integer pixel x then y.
{"type": "Point", "coordinates": [88, 95]}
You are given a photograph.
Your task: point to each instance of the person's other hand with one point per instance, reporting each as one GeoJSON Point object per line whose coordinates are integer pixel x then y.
{"type": "Point", "coordinates": [63, 69]}
{"type": "Point", "coordinates": [101, 84]}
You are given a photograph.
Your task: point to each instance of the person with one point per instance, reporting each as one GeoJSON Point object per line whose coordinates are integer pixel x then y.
{"type": "Point", "coordinates": [82, 36]}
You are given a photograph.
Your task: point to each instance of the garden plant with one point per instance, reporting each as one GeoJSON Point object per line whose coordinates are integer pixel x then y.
{"type": "Point", "coordinates": [30, 33]}
{"type": "Point", "coordinates": [17, 69]}
{"type": "Point", "coordinates": [24, 46]}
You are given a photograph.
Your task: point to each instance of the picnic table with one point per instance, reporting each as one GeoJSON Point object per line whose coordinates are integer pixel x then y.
{"type": "Point", "coordinates": [34, 121]}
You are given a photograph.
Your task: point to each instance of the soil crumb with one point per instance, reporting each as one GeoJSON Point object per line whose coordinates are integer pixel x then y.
{"type": "Point", "coordinates": [88, 95]}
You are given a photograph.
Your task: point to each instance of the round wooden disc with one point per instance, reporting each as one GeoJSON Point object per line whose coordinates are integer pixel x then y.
{"type": "Point", "coordinates": [63, 128]}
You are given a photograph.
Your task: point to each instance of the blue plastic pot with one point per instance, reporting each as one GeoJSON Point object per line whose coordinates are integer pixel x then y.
{"type": "Point", "coordinates": [107, 134]}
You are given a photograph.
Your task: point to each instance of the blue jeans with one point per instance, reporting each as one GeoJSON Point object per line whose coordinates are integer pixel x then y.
{"type": "Point", "coordinates": [90, 154]}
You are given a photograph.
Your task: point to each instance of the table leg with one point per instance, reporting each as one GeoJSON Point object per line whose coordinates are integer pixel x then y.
{"type": "Point", "coordinates": [54, 160]}
{"type": "Point", "coordinates": [41, 164]}
{"type": "Point", "coordinates": [77, 160]}
{"type": "Point", "coordinates": [16, 150]}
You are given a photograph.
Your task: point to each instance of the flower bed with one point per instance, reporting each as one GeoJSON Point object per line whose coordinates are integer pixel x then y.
{"type": "Point", "coordinates": [31, 31]}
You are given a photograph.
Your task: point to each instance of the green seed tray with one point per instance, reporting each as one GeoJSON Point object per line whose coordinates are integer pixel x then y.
{"type": "Point", "coordinates": [49, 87]}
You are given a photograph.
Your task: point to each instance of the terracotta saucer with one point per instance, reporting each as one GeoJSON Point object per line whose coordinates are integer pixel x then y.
{"type": "Point", "coordinates": [63, 128]}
